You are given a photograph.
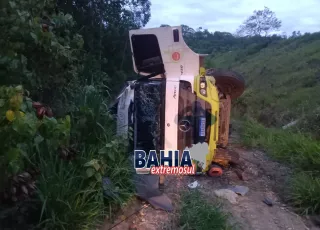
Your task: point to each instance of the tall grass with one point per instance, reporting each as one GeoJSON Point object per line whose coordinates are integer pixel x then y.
{"type": "Point", "coordinates": [298, 151]}
{"type": "Point", "coordinates": [73, 195]}
{"type": "Point", "coordinates": [305, 192]}
{"type": "Point", "coordinates": [69, 202]}
{"type": "Point", "coordinates": [197, 214]}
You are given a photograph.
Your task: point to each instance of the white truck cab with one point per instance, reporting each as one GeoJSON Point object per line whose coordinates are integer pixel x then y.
{"type": "Point", "coordinates": [174, 104]}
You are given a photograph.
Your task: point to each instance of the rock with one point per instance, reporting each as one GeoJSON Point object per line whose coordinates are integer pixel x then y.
{"type": "Point", "coordinates": [268, 201]}
{"type": "Point", "coordinates": [193, 184]}
{"type": "Point", "coordinates": [231, 196]}
{"type": "Point", "coordinates": [133, 227]}
{"type": "Point", "coordinates": [240, 190]}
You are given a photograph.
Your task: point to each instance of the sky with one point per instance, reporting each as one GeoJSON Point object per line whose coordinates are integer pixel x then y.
{"type": "Point", "coordinates": [228, 15]}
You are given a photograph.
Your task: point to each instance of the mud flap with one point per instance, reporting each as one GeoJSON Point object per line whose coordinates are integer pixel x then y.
{"type": "Point", "coordinates": [147, 188]}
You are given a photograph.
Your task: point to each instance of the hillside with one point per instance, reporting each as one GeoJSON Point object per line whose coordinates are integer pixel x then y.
{"type": "Point", "coordinates": [283, 81]}
{"type": "Point", "coordinates": [283, 85]}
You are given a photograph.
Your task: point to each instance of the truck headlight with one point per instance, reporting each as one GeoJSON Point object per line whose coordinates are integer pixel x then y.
{"type": "Point", "coordinates": [203, 86]}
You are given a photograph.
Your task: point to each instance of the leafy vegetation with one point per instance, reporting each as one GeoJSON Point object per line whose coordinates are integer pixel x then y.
{"type": "Point", "coordinates": [63, 167]}
{"type": "Point", "coordinates": [223, 43]}
{"type": "Point", "coordinates": [37, 158]}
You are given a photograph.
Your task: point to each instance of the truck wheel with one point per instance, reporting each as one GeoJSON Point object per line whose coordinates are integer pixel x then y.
{"type": "Point", "coordinates": [229, 82]}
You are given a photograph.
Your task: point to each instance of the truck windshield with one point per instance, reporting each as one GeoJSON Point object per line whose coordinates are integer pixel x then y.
{"type": "Point", "coordinates": [194, 118]}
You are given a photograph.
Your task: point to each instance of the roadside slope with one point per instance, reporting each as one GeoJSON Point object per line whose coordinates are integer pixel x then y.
{"type": "Point", "coordinates": [283, 81]}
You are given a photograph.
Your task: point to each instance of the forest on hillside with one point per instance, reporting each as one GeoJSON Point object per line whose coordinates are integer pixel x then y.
{"type": "Point", "coordinates": [62, 61]}
{"type": "Point", "coordinates": [282, 72]}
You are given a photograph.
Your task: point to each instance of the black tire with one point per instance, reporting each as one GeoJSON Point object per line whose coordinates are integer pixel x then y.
{"type": "Point", "coordinates": [229, 82]}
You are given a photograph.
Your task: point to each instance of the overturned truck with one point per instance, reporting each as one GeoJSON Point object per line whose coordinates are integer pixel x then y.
{"type": "Point", "coordinates": [175, 103]}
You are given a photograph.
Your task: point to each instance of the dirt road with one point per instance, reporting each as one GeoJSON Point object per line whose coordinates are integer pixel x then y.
{"type": "Point", "coordinates": [263, 177]}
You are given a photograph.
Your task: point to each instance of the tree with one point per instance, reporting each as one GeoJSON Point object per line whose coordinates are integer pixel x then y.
{"type": "Point", "coordinates": [296, 34]}
{"type": "Point", "coordinates": [104, 26]}
{"type": "Point", "coordinates": [262, 22]}
{"type": "Point", "coordinates": [187, 31]}
{"type": "Point", "coordinates": [39, 50]}
{"type": "Point", "coordinates": [284, 35]}
{"type": "Point", "coordinates": [51, 45]}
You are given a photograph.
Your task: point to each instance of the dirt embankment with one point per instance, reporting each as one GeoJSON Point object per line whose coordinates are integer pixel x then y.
{"type": "Point", "coordinates": [263, 177]}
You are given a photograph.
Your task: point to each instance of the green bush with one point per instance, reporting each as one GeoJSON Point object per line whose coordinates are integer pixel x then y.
{"type": "Point", "coordinates": [73, 193]}
{"type": "Point", "coordinates": [74, 156]}
{"type": "Point", "coordinates": [44, 59]}
{"type": "Point", "coordinates": [26, 138]}
{"type": "Point", "coordinates": [56, 169]}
